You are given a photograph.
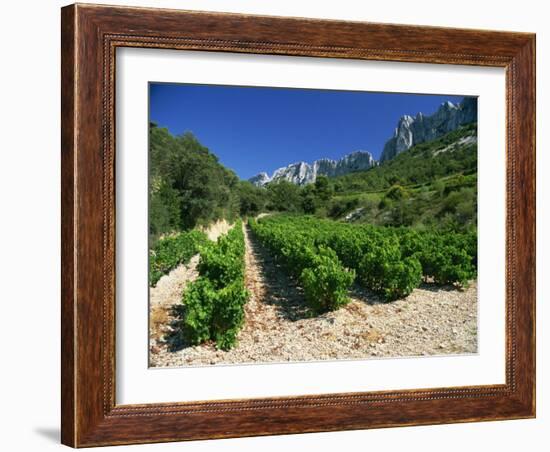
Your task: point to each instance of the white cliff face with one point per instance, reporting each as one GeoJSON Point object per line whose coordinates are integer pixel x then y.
{"type": "Point", "coordinates": [298, 173]}
{"type": "Point", "coordinates": [411, 131]}
{"type": "Point", "coordinates": [403, 134]}
{"type": "Point", "coordinates": [303, 173]}
{"type": "Point", "coordinates": [260, 179]}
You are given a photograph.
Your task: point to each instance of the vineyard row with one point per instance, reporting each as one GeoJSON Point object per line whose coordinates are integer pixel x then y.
{"type": "Point", "coordinates": [326, 256]}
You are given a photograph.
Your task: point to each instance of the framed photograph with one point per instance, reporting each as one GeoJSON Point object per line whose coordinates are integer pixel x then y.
{"type": "Point", "coordinates": [282, 225]}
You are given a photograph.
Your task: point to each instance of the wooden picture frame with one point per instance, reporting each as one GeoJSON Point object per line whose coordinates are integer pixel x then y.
{"type": "Point", "coordinates": [90, 36]}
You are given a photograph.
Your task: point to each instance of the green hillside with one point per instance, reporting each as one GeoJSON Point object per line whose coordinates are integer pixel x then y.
{"type": "Point", "coordinates": [433, 184]}
{"type": "Point", "coordinates": [419, 165]}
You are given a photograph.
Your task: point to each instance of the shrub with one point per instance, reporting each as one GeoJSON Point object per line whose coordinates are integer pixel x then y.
{"type": "Point", "coordinates": [326, 282]}
{"type": "Point", "coordinates": [383, 270]}
{"type": "Point", "coordinates": [397, 192]}
{"type": "Point", "coordinates": [228, 314]}
{"type": "Point", "coordinates": [220, 267]}
{"type": "Point", "coordinates": [296, 256]}
{"type": "Point", "coordinates": [447, 258]}
{"type": "Point", "coordinates": [199, 298]}
{"type": "Point", "coordinates": [214, 303]}
{"type": "Point", "coordinates": [172, 251]}
{"type": "Point", "coordinates": [349, 248]}
{"type": "Point", "coordinates": [402, 277]}
{"type": "Point", "coordinates": [447, 265]}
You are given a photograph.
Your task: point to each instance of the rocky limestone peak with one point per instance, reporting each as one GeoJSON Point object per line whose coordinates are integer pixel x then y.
{"type": "Point", "coordinates": [302, 173]}
{"type": "Point", "coordinates": [411, 131]}
{"type": "Point", "coordinates": [356, 161]}
{"type": "Point", "coordinates": [299, 173]}
{"type": "Point", "coordinates": [447, 106]}
{"type": "Point", "coordinates": [260, 179]}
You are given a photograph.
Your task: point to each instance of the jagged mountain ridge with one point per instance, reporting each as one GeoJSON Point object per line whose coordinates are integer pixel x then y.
{"type": "Point", "coordinates": [409, 132]}
{"type": "Point", "coordinates": [302, 173]}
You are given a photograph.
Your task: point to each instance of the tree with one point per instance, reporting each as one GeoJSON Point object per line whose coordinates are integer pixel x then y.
{"type": "Point", "coordinates": [252, 199]}
{"type": "Point", "coordinates": [284, 196]}
{"type": "Point", "coordinates": [323, 189]}
{"type": "Point", "coordinates": [309, 201]}
{"type": "Point", "coordinates": [188, 184]}
{"type": "Point", "coordinates": [164, 212]}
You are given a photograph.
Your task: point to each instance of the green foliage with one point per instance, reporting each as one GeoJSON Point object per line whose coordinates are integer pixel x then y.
{"type": "Point", "coordinates": [432, 185]}
{"type": "Point", "coordinates": [326, 282]}
{"type": "Point", "coordinates": [397, 192]}
{"type": "Point", "coordinates": [164, 214]}
{"type": "Point", "coordinates": [223, 263]}
{"type": "Point", "coordinates": [252, 199]}
{"type": "Point", "coordinates": [389, 261]}
{"type": "Point", "coordinates": [385, 271]}
{"type": "Point", "coordinates": [228, 314]}
{"type": "Point", "coordinates": [422, 187]}
{"type": "Point", "coordinates": [422, 164]}
{"type": "Point", "coordinates": [461, 204]}
{"type": "Point", "coordinates": [446, 257]}
{"type": "Point", "coordinates": [439, 187]}
{"type": "Point", "coordinates": [447, 264]}
{"type": "Point", "coordinates": [200, 297]}
{"type": "Point", "coordinates": [214, 303]}
{"type": "Point", "coordinates": [385, 203]}
{"type": "Point", "coordinates": [320, 272]}
{"type": "Point", "coordinates": [309, 200]}
{"type": "Point", "coordinates": [446, 204]}
{"type": "Point", "coordinates": [171, 251]}
{"type": "Point", "coordinates": [284, 196]}
{"type": "Point", "coordinates": [323, 188]}
{"type": "Point", "coordinates": [188, 186]}
{"type": "Point", "coordinates": [294, 254]}
{"type": "Point", "coordinates": [308, 204]}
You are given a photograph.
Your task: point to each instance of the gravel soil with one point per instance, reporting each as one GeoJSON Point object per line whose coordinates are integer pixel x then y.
{"type": "Point", "coordinates": [430, 321]}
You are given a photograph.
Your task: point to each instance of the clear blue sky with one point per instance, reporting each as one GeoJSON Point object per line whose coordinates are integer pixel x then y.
{"type": "Point", "coordinates": [261, 129]}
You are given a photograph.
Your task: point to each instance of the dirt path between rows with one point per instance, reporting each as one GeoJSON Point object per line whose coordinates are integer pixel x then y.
{"type": "Point", "coordinates": [430, 321]}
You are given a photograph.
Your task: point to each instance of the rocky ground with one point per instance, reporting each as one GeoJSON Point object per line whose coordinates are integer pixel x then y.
{"type": "Point", "coordinates": [430, 321]}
